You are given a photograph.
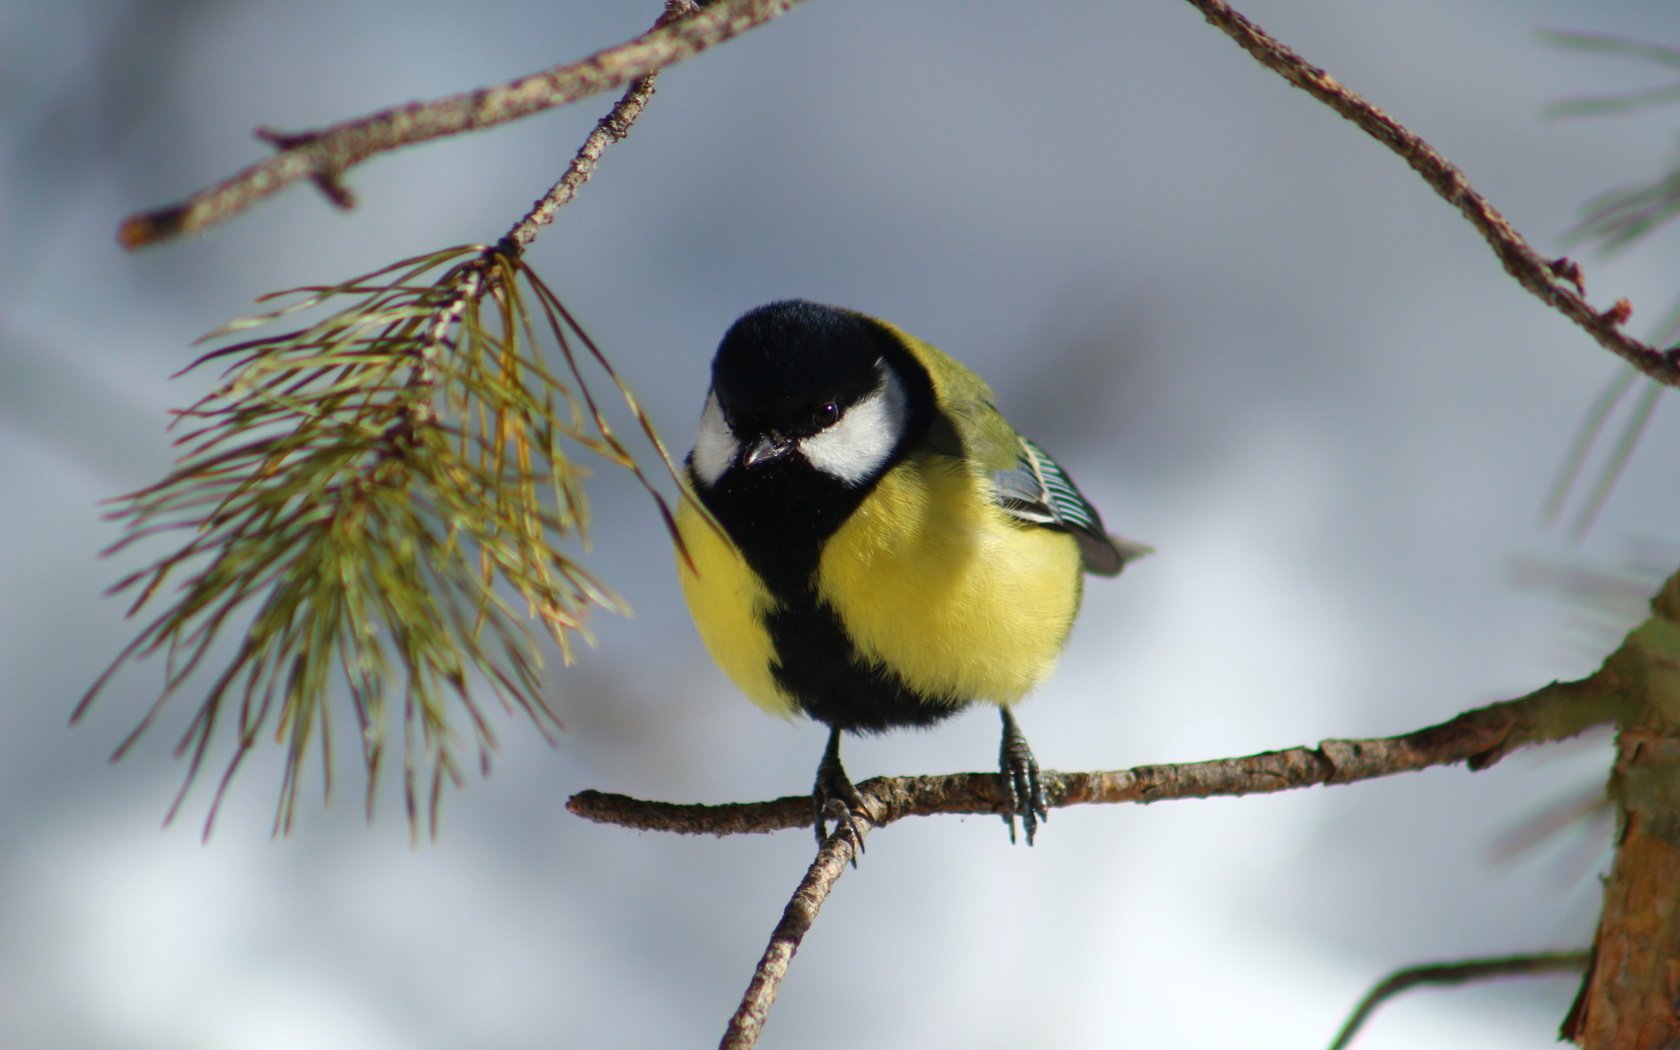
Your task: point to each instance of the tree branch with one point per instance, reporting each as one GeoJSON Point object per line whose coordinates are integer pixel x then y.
{"type": "Point", "coordinates": [1557, 282]}
{"type": "Point", "coordinates": [1628, 996]}
{"type": "Point", "coordinates": [1539, 964]}
{"type": "Point", "coordinates": [1478, 738]}
{"type": "Point", "coordinates": [324, 156]}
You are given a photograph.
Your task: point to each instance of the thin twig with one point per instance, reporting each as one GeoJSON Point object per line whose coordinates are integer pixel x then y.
{"type": "Point", "coordinates": [1478, 738]}
{"type": "Point", "coordinates": [1538, 964]}
{"type": "Point", "coordinates": [1557, 282]}
{"type": "Point", "coordinates": [797, 917]}
{"type": "Point", "coordinates": [324, 156]}
{"type": "Point", "coordinates": [609, 129]}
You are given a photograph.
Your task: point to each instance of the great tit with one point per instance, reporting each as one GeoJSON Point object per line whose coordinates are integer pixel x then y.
{"type": "Point", "coordinates": [887, 549]}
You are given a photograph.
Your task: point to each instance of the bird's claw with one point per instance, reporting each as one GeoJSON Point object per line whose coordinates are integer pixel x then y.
{"type": "Point", "coordinates": [1023, 790]}
{"type": "Point", "coordinates": [835, 798]}
{"type": "Point", "coordinates": [849, 813]}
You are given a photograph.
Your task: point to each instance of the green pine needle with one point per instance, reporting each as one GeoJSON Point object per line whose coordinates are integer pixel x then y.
{"type": "Point", "coordinates": [371, 505]}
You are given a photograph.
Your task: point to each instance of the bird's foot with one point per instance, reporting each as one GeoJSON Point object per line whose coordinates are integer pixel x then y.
{"type": "Point", "coordinates": [1024, 792]}
{"type": "Point", "coordinates": [836, 798]}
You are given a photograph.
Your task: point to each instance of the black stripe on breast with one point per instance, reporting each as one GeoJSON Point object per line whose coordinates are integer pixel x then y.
{"type": "Point", "coordinates": [818, 665]}
{"type": "Point", "coordinates": [780, 519]}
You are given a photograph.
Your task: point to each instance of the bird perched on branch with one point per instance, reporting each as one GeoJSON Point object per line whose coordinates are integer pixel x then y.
{"type": "Point", "coordinates": [887, 549]}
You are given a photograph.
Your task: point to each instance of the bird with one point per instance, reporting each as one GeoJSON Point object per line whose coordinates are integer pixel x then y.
{"type": "Point", "coordinates": [870, 543]}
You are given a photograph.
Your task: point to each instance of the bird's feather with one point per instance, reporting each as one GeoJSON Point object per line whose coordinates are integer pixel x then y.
{"type": "Point", "coordinates": [1038, 491]}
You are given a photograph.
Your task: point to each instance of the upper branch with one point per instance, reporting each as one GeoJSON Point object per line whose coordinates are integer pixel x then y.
{"type": "Point", "coordinates": [1557, 282]}
{"type": "Point", "coordinates": [325, 155]}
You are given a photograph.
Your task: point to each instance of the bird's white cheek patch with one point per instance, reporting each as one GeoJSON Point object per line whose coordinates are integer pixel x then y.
{"type": "Point", "coordinates": [715, 447]}
{"type": "Point", "coordinates": [856, 447]}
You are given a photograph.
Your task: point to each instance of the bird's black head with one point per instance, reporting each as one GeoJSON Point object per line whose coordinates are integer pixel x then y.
{"type": "Point", "coordinates": [793, 368]}
{"type": "Point", "coordinates": [810, 406]}
{"type": "Point", "coordinates": [799, 387]}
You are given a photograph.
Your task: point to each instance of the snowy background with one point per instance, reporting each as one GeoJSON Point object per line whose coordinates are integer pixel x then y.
{"type": "Point", "coordinates": [1257, 339]}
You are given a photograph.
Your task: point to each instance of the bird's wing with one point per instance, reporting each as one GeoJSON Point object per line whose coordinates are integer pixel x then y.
{"type": "Point", "coordinates": [1038, 491]}
{"type": "Point", "coordinates": [1026, 483]}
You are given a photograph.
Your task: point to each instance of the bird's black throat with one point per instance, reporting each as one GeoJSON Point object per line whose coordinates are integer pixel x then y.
{"type": "Point", "coordinates": [780, 516]}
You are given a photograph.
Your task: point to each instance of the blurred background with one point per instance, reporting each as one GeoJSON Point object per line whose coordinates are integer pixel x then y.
{"type": "Point", "coordinates": [1257, 339]}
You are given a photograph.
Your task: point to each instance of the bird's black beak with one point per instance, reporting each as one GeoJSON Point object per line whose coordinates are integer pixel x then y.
{"type": "Point", "coordinates": [767, 449]}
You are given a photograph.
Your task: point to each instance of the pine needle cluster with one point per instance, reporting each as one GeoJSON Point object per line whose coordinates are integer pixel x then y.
{"type": "Point", "coordinates": [375, 505]}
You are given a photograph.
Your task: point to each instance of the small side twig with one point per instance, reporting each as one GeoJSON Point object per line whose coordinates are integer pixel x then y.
{"type": "Point", "coordinates": [1478, 738]}
{"type": "Point", "coordinates": [1557, 282]}
{"type": "Point", "coordinates": [1539, 964]}
{"type": "Point", "coordinates": [797, 918]}
{"type": "Point", "coordinates": [609, 129]}
{"type": "Point", "coordinates": [324, 156]}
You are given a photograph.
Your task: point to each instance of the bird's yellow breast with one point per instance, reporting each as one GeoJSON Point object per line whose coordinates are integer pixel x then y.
{"type": "Point", "coordinates": [729, 602]}
{"type": "Point", "coordinates": [930, 578]}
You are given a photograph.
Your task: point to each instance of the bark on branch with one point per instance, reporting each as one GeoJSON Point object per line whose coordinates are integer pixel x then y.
{"type": "Point", "coordinates": [1631, 995]}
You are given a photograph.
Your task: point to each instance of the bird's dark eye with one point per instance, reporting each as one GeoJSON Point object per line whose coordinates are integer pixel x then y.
{"type": "Point", "coordinates": [827, 413]}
